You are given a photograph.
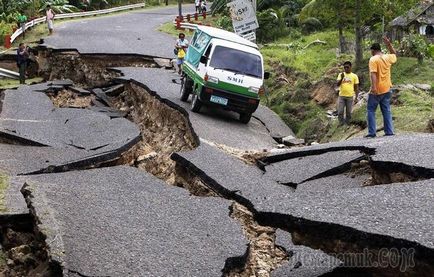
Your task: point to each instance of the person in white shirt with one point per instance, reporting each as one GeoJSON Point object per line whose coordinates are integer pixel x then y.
{"type": "Point", "coordinates": [181, 45]}
{"type": "Point", "coordinates": [49, 18]}
{"type": "Point", "coordinates": [197, 4]}
{"type": "Point", "coordinates": [203, 6]}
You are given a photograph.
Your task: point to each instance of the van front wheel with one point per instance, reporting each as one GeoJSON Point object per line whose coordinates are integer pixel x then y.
{"type": "Point", "coordinates": [245, 117]}
{"type": "Point", "coordinates": [195, 103]}
{"type": "Point", "coordinates": [186, 88]}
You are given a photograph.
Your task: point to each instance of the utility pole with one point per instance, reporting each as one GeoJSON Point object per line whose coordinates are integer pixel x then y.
{"type": "Point", "coordinates": [179, 9]}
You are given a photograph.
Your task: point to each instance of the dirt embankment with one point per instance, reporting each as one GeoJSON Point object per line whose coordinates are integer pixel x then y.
{"type": "Point", "coordinates": [164, 130]}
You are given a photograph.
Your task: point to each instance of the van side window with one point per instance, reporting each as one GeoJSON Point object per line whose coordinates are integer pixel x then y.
{"type": "Point", "coordinates": [201, 42]}
{"type": "Point", "coordinates": [196, 34]}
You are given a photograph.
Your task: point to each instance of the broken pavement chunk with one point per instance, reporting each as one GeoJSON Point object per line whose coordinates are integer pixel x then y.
{"type": "Point", "coordinates": [94, 217]}
{"type": "Point", "coordinates": [300, 169]}
{"type": "Point", "coordinates": [231, 177]}
{"type": "Point", "coordinates": [303, 261]}
{"type": "Point", "coordinates": [292, 141]}
{"type": "Point", "coordinates": [30, 116]}
{"type": "Point", "coordinates": [80, 91]}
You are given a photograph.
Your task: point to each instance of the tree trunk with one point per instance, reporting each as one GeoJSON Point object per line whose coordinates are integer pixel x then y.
{"type": "Point", "coordinates": [342, 42]}
{"type": "Point", "coordinates": [358, 23]}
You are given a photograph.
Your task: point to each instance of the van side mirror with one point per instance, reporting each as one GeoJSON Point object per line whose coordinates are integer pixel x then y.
{"type": "Point", "coordinates": [203, 59]}
{"type": "Point", "coordinates": [266, 75]}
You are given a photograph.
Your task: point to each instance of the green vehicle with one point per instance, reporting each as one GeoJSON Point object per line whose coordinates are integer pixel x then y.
{"type": "Point", "coordinates": [224, 70]}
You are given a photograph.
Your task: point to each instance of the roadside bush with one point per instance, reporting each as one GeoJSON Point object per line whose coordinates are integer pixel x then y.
{"type": "Point", "coordinates": [5, 29]}
{"type": "Point", "coordinates": [224, 22]}
{"type": "Point", "coordinates": [272, 25]}
{"type": "Point", "coordinates": [311, 25]}
{"type": "Point", "coordinates": [431, 51]}
{"type": "Point", "coordinates": [414, 45]}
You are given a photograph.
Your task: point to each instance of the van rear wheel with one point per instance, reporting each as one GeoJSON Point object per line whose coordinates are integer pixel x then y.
{"type": "Point", "coordinates": [245, 117]}
{"type": "Point", "coordinates": [186, 88]}
{"type": "Point", "coordinates": [195, 103]}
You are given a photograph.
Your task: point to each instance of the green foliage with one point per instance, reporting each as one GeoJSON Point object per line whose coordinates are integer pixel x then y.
{"type": "Point", "coordinates": [224, 22]}
{"type": "Point", "coordinates": [6, 29]}
{"type": "Point", "coordinates": [414, 45]}
{"type": "Point", "coordinates": [431, 51]}
{"type": "Point", "coordinates": [314, 60]}
{"type": "Point", "coordinates": [272, 25]}
{"type": "Point", "coordinates": [58, 6]}
{"type": "Point", "coordinates": [329, 12]}
{"type": "Point", "coordinates": [311, 25]}
{"type": "Point", "coordinates": [408, 70]}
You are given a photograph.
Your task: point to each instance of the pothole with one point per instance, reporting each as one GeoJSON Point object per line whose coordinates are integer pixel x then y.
{"type": "Point", "coordinates": [70, 99]}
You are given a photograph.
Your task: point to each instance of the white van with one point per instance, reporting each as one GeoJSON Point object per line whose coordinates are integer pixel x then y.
{"type": "Point", "coordinates": [222, 69]}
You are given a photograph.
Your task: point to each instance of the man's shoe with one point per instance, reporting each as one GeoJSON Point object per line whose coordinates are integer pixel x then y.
{"type": "Point", "coordinates": [388, 135]}
{"type": "Point", "coordinates": [370, 136]}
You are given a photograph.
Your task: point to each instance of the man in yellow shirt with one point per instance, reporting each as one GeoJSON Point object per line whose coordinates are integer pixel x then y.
{"type": "Point", "coordinates": [348, 84]}
{"type": "Point", "coordinates": [379, 69]}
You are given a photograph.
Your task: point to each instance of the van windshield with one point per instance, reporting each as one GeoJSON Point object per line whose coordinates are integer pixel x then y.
{"type": "Point", "coordinates": [236, 61]}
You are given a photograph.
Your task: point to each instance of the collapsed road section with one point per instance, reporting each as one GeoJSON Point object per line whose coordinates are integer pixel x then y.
{"type": "Point", "coordinates": [81, 160]}
{"type": "Point", "coordinates": [60, 127]}
{"type": "Point", "coordinates": [347, 215]}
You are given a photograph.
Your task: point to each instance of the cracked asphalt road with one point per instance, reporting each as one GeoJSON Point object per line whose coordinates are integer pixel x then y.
{"type": "Point", "coordinates": [126, 33]}
{"type": "Point", "coordinates": [136, 33]}
{"type": "Point", "coordinates": [114, 210]}
{"type": "Point", "coordinates": [214, 125]}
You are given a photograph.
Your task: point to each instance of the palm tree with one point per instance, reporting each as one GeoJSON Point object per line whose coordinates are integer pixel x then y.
{"type": "Point", "coordinates": [59, 6]}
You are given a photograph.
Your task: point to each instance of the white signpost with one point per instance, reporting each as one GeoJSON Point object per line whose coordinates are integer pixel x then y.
{"type": "Point", "coordinates": [243, 16]}
{"type": "Point", "coordinates": [249, 36]}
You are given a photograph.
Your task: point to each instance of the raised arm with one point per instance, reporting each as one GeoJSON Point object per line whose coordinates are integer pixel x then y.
{"type": "Point", "coordinates": [389, 45]}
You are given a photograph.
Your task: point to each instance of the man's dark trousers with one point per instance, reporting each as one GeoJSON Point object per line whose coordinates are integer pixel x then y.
{"type": "Point", "coordinates": [22, 68]}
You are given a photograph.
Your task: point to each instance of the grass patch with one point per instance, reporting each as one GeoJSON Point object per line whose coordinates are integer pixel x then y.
{"type": "Point", "coordinates": [413, 113]}
{"type": "Point", "coordinates": [409, 71]}
{"type": "Point", "coordinates": [300, 67]}
{"type": "Point", "coordinates": [169, 27]}
{"type": "Point", "coordinates": [4, 183]}
{"type": "Point", "coordinates": [10, 83]}
{"type": "Point", "coordinates": [314, 60]}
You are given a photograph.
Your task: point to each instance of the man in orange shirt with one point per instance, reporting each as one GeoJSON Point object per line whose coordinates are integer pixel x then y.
{"type": "Point", "coordinates": [379, 69]}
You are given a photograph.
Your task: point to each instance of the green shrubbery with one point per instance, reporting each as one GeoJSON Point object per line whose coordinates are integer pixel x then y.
{"type": "Point", "coordinates": [224, 22]}
{"type": "Point", "coordinates": [5, 29]}
{"type": "Point", "coordinates": [414, 45]}
{"type": "Point", "coordinates": [272, 25]}
{"type": "Point", "coordinates": [311, 25]}
{"type": "Point", "coordinates": [431, 51]}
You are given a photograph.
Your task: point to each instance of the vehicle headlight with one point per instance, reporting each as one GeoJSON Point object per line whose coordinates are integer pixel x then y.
{"type": "Point", "coordinates": [211, 79]}
{"type": "Point", "coordinates": [254, 90]}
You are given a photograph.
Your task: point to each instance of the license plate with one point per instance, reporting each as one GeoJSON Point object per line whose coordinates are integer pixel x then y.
{"type": "Point", "coordinates": [219, 100]}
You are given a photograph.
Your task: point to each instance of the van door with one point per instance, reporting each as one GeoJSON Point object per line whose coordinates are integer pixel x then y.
{"type": "Point", "coordinates": [203, 66]}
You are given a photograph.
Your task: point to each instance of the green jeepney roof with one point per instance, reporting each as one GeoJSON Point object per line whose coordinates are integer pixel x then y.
{"type": "Point", "coordinates": [225, 35]}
